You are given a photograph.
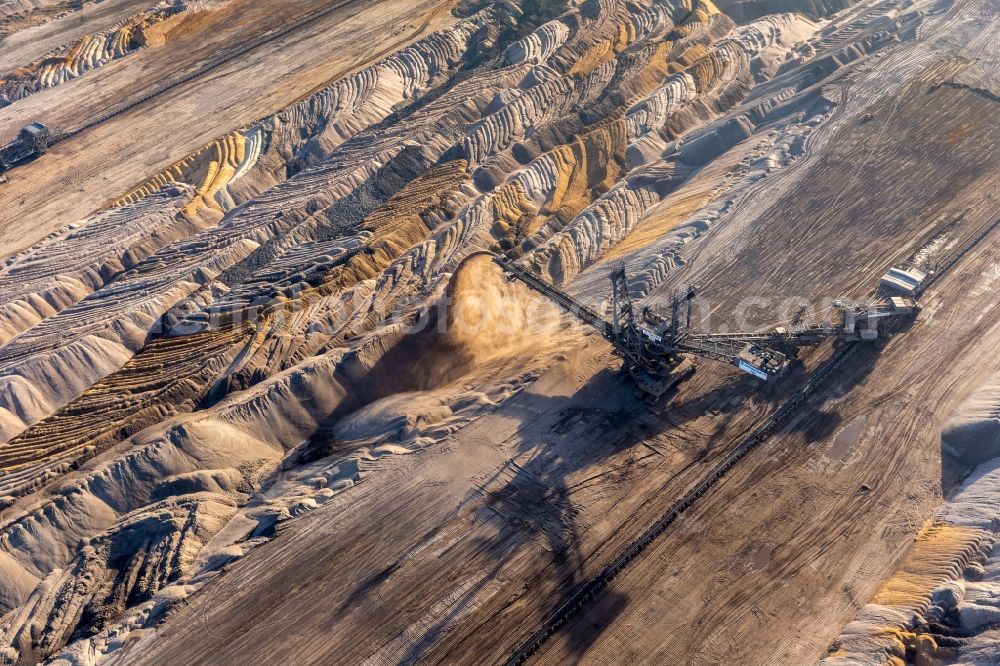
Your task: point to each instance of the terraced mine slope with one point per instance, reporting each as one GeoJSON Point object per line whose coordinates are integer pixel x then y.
{"type": "Point", "coordinates": [266, 395]}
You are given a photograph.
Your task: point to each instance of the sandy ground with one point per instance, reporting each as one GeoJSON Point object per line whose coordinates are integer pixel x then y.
{"type": "Point", "coordinates": [81, 174]}
{"type": "Point", "coordinates": [484, 534]}
{"type": "Point", "coordinates": [500, 514]}
{"type": "Point", "coordinates": [23, 46]}
{"type": "Point", "coordinates": [456, 550]}
{"type": "Point", "coordinates": [786, 548]}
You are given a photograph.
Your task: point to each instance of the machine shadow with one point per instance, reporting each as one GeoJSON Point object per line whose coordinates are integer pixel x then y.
{"type": "Point", "coordinates": [606, 419]}
{"type": "Point", "coordinates": [572, 447]}
{"type": "Point", "coordinates": [536, 491]}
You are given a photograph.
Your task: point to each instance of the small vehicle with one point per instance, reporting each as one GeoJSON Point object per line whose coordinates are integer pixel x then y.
{"type": "Point", "coordinates": [31, 142]}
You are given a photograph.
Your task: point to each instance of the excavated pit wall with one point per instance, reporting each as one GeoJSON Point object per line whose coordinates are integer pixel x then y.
{"type": "Point", "coordinates": [89, 52]}
{"type": "Point", "coordinates": [131, 301]}
{"type": "Point", "coordinates": [940, 605]}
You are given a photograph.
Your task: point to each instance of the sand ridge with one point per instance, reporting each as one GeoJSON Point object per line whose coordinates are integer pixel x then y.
{"type": "Point", "coordinates": [260, 376]}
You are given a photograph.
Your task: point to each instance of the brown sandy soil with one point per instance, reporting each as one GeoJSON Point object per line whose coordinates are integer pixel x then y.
{"type": "Point", "coordinates": [520, 499]}
{"type": "Point", "coordinates": [21, 15]}
{"type": "Point", "coordinates": [483, 535]}
{"type": "Point", "coordinates": [788, 548]}
{"type": "Point", "coordinates": [21, 47]}
{"type": "Point", "coordinates": [81, 174]}
{"type": "Point", "coordinates": [456, 549]}
{"type": "Point", "coordinates": [502, 514]}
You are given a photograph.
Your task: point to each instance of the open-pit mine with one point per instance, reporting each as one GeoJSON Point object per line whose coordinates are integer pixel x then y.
{"type": "Point", "coordinates": [500, 332]}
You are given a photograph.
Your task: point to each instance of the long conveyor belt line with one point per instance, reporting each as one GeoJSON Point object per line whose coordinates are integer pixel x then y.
{"type": "Point", "coordinates": [590, 588]}
{"type": "Point", "coordinates": [957, 255]}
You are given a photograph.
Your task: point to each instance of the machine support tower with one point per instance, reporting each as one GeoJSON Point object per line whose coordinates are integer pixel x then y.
{"type": "Point", "coordinates": [655, 350]}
